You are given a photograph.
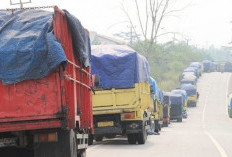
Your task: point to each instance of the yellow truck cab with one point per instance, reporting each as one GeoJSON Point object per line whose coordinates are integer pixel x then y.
{"type": "Point", "coordinates": [122, 100]}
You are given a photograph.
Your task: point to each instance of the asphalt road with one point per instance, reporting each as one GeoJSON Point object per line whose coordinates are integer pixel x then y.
{"type": "Point", "coordinates": [207, 131]}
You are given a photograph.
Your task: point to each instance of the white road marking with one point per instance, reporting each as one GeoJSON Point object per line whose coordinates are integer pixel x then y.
{"type": "Point", "coordinates": [217, 145]}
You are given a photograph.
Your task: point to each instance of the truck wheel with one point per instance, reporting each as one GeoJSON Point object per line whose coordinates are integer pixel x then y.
{"type": "Point", "coordinates": [90, 139]}
{"type": "Point", "coordinates": [82, 153]}
{"type": "Point", "coordinates": [65, 146]}
{"type": "Point", "coordinates": [99, 138]}
{"type": "Point", "coordinates": [131, 138]}
{"type": "Point", "coordinates": [156, 126]}
{"type": "Point", "coordinates": [142, 137]}
{"type": "Point", "coordinates": [179, 120]}
{"type": "Point", "coordinates": [165, 124]}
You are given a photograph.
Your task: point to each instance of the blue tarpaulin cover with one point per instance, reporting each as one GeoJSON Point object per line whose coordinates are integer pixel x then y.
{"type": "Point", "coordinates": [118, 66]}
{"type": "Point", "coordinates": [206, 64]}
{"type": "Point", "coordinates": [195, 64]}
{"type": "Point", "coordinates": [189, 88]}
{"type": "Point", "coordinates": [154, 86]}
{"type": "Point", "coordinates": [28, 49]}
{"type": "Point", "coordinates": [80, 39]}
{"type": "Point", "coordinates": [191, 69]}
{"type": "Point", "coordinates": [160, 96]}
{"type": "Point", "coordinates": [176, 99]}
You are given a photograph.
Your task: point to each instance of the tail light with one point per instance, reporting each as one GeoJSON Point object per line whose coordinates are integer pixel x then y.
{"type": "Point", "coordinates": [45, 137]}
{"type": "Point", "coordinates": [129, 115]}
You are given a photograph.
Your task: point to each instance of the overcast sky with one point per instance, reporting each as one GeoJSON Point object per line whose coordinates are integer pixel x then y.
{"type": "Point", "coordinates": [204, 22]}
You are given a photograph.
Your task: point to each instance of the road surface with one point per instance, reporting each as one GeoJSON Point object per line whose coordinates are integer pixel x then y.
{"type": "Point", "coordinates": [207, 132]}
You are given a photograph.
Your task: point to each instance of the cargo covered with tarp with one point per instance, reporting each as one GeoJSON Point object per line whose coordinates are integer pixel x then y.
{"type": "Point", "coordinates": [153, 85]}
{"type": "Point", "coordinates": [191, 69]}
{"type": "Point", "coordinates": [190, 89]}
{"type": "Point", "coordinates": [181, 92]}
{"type": "Point", "coordinates": [118, 66]}
{"type": "Point", "coordinates": [28, 48]}
{"type": "Point", "coordinates": [195, 64]}
{"type": "Point", "coordinates": [188, 81]}
{"type": "Point", "coordinates": [206, 65]}
{"type": "Point", "coordinates": [160, 96]}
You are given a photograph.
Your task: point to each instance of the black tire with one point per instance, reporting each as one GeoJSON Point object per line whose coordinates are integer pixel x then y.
{"type": "Point", "coordinates": [82, 153]}
{"type": "Point", "coordinates": [179, 120]}
{"type": "Point", "coordinates": [165, 124]}
{"type": "Point", "coordinates": [66, 146]}
{"type": "Point", "coordinates": [99, 138]}
{"type": "Point", "coordinates": [156, 126]}
{"type": "Point", "coordinates": [142, 136]}
{"type": "Point", "coordinates": [90, 140]}
{"type": "Point", "coordinates": [194, 104]}
{"type": "Point", "coordinates": [131, 138]}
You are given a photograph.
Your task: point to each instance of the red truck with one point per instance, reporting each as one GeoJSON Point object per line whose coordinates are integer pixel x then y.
{"type": "Point", "coordinates": [52, 115]}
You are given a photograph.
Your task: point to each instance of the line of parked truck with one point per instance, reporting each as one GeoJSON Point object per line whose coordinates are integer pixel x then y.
{"type": "Point", "coordinates": [126, 99]}
{"type": "Point", "coordinates": [210, 66]}
{"type": "Point", "coordinates": [57, 97]}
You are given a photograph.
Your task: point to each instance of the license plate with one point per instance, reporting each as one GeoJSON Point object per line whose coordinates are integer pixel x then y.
{"type": "Point", "coordinates": [6, 142]}
{"type": "Point", "coordinates": [104, 124]}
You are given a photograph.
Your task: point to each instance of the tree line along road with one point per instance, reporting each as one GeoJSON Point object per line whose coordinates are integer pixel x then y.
{"type": "Point", "coordinates": [207, 132]}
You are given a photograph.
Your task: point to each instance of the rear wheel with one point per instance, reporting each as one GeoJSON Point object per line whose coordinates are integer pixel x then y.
{"type": "Point", "coordinates": [165, 124]}
{"type": "Point", "coordinates": [142, 137]}
{"type": "Point", "coordinates": [90, 139]}
{"type": "Point", "coordinates": [65, 146]}
{"type": "Point", "coordinates": [82, 153]}
{"type": "Point", "coordinates": [179, 120]}
{"type": "Point", "coordinates": [99, 138]}
{"type": "Point", "coordinates": [194, 104]}
{"type": "Point", "coordinates": [131, 138]}
{"type": "Point", "coordinates": [156, 126]}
